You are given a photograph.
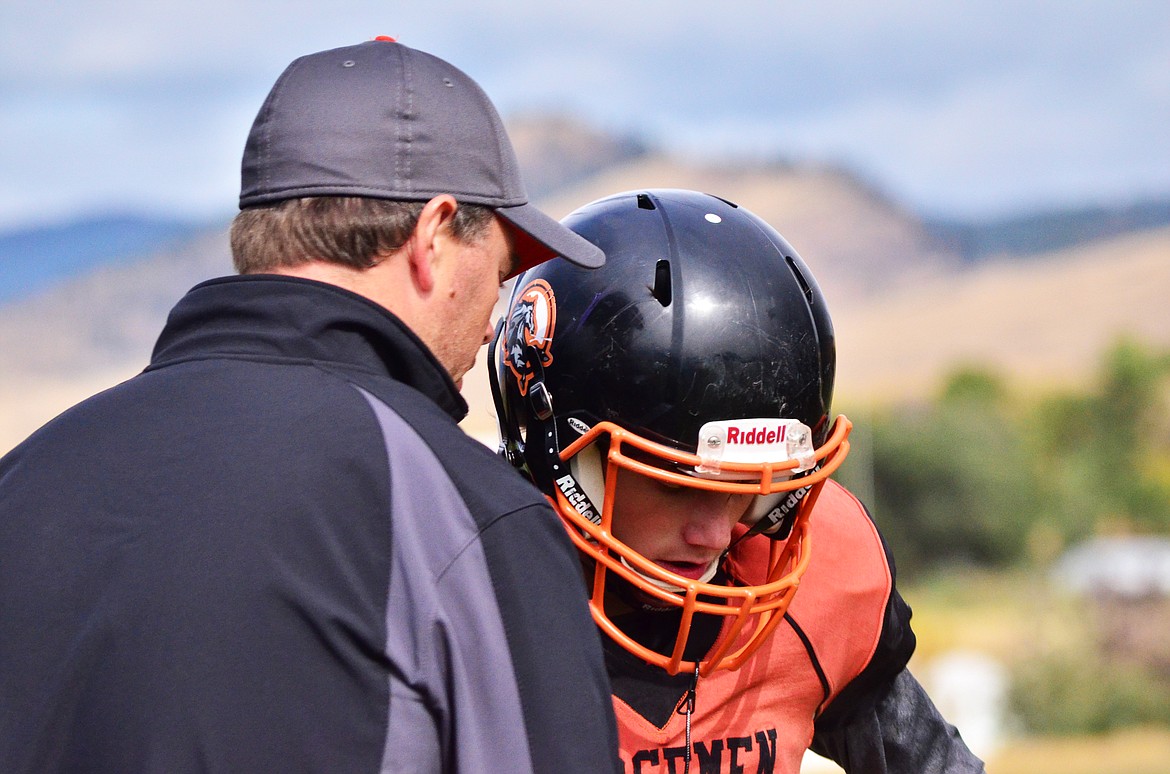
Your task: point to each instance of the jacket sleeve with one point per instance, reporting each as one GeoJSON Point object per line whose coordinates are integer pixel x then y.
{"type": "Point", "coordinates": [903, 733]}
{"type": "Point", "coordinates": [556, 648]}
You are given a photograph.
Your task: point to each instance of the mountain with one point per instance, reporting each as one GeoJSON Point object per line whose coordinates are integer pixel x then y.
{"type": "Point", "coordinates": [909, 303]}
{"type": "Point", "coordinates": [857, 241]}
{"type": "Point", "coordinates": [93, 330]}
{"type": "Point", "coordinates": [35, 258]}
{"type": "Point", "coordinates": [556, 151]}
{"type": "Point", "coordinates": [1043, 322]}
{"type": "Point", "coordinates": [1038, 233]}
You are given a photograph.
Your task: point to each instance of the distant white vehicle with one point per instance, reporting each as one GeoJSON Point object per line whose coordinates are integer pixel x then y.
{"type": "Point", "coordinates": [1126, 566]}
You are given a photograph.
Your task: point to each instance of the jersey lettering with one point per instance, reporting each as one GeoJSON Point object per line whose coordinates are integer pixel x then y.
{"type": "Point", "coordinates": [709, 759]}
{"type": "Point", "coordinates": [732, 755]}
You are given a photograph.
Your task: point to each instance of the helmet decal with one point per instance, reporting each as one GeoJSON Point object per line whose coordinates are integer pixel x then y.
{"type": "Point", "coordinates": [578, 426]}
{"type": "Point", "coordinates": [529, 334]}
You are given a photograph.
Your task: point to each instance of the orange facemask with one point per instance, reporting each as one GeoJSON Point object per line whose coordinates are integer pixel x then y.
{"type": "Point", "coordinates": [752, 611]}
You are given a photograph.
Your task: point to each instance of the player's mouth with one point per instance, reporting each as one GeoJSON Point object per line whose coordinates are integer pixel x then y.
{"type": "Point", "coordinates": [691, 570]}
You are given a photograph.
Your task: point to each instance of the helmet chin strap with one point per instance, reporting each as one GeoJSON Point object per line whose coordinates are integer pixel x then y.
{"type": "Point", "coordinates": [778, 517]}
{"type": "Point", "coordinates": [510, 447]}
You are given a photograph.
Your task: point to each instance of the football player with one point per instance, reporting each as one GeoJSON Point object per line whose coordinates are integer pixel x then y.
{"type": "Point", "coordinates": [675, 407]}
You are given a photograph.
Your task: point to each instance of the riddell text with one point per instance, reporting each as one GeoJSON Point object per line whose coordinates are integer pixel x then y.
{"type": "Point", "coordinates": [756, 435]}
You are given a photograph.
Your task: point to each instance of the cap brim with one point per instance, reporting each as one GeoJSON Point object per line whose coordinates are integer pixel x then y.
{"type": "Point", "coordinates": [538, 238]}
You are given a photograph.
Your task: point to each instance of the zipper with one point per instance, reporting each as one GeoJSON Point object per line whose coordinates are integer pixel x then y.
{"type": "Point", "coordinates": [687, 707]}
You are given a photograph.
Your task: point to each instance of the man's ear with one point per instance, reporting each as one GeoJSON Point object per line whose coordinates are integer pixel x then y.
{"type": "Point", "coordinates": [423, 245]}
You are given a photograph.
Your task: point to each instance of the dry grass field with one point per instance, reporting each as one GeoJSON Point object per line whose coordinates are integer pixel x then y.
{"type": "Point", "coordinates": [1139, 751]}
{"type": "Point", "coordinates": [1042, 322]}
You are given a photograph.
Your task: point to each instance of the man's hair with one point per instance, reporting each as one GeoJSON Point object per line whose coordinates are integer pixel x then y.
{"type": "Point", "coordinates": [356, 232]}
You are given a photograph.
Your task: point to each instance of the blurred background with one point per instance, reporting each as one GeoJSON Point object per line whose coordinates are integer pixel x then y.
{"type": "Point", "coordinates": [981, 188]}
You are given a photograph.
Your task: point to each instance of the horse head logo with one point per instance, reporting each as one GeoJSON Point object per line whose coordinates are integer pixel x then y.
{"type": "Point", "coordinates": [529, 331]}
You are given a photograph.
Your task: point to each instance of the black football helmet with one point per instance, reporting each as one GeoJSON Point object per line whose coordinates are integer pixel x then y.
{"type": "Point", "coordinates": [701, 354]}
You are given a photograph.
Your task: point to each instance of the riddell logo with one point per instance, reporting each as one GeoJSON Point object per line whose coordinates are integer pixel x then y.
{"type": "Point", "coordinates": [577, 498]}
{"type": "Point", "coordinates": [757, 435]}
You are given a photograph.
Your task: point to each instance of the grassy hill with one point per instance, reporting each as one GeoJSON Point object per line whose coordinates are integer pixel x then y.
{"type": "Point", "coordinates": [907, 307]}
{"type": "Point", "coordinates": [1041, 322]}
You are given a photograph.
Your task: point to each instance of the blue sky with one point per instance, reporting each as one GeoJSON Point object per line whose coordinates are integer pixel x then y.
{"type": "Point", "coordinates": [962, 109]}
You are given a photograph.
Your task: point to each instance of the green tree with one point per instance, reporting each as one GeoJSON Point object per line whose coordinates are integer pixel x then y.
{"type": "Point", "coordinates": [952, 482]}
{"type": "Point", "coordinates": [982, 476]}
{"type": "Point", "coordinates": [1107, 451]}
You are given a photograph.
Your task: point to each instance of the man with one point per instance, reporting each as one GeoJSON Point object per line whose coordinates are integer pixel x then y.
{"type": "Point", "coordinates": [275, 550]}
{"type": "Point", "coordinates": [675, 405]}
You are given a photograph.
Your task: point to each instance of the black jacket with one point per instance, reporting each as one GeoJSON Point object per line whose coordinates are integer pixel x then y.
{"type": "Point", "coordinates": [275, 550]}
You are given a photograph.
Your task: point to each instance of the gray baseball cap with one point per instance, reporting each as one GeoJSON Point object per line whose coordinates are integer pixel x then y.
{"type": "Point", "coordinates": [386, 121]}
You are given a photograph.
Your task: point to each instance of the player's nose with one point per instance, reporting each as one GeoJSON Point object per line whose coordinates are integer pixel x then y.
{"type": "Point", "coordinates": [711, 520]}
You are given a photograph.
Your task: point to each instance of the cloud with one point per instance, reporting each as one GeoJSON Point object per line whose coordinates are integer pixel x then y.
{"type": "Point", "coordinates": [962, 107]}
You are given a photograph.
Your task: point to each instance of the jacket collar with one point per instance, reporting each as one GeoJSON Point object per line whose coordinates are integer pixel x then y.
{"type": "Point", "coordinates": [279, 318]}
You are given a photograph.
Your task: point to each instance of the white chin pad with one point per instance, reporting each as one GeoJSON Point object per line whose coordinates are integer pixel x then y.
{"type": "Point", "coordinates": [707, 575]}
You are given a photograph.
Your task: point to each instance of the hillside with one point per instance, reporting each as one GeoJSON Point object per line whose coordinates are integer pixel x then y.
{"type": "Point", "coordinates": [906, 307]}
{"type": "Point", "coordinates": [34, 258]}
{"type": "Point", "coordinates": [92, 331]}
{"type": "Point", "coordinates": [857, 242]}
{"type": "Point", "coordinates": [1041, 322]}
{"type": "Point", "coordinates": [1036, 233]}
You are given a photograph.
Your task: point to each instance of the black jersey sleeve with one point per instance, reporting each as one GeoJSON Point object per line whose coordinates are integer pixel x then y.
{"type": "Point", "coordinates": [903, 733]}
{"type": "Point", "coordinates": [883, 721]}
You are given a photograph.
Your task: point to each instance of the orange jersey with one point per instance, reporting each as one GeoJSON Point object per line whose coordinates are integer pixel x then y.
{"type": "Point", "coordinates": [760, 718]}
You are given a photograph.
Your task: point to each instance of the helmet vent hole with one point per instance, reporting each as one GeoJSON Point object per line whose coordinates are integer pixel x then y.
{"type": "Point", "coordinates": [804, 286]}
{"type": "Point", "coordinates": [645, 202]}
{"type": "Point", "coordinates": [662, 289]}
